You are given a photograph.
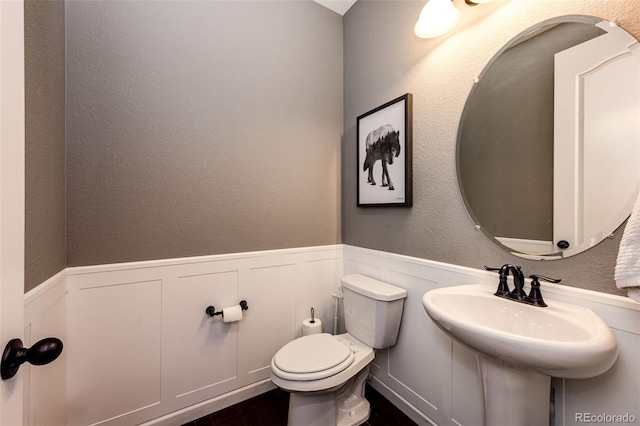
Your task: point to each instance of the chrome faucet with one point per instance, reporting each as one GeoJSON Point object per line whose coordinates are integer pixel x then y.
{"type": "Point", "coordinates": [518, 294]}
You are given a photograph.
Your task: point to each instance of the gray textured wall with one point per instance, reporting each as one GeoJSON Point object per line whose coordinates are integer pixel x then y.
{"type": "Point", "coordinates": [198, 128]}
{"type": "Point", "coordinates": [219, 138]}
{"type": "Point", "coordinates": [384, 59]}
{"type": "Point", "coordinates": [44, 141]}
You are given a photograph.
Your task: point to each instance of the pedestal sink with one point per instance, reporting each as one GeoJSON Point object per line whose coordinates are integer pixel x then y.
{"type": "Point", "coordinates": [520, 347]}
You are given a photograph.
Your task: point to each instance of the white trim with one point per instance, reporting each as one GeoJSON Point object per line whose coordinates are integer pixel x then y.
{"type": "Point", "coordinates": [45, 315]}
{"type": "Point", "coordinates": [79, 270]}
{"type": "Point", "coordinates": [42, 290]}
{"type": "Point", "coordinates": [595, 296]}
{"type": "Point", "coordinates": [557, 289]}
{"type": "Point", "coordinates": [410, 259]}
{"type": "Point", "coordinates": [212, 405]}
{"type": "Point", "coordinates": [402, 404]}
{"type": "Point", "coordinates": [600, 297]}
{"type": "Point", "coordinates": [12, 196]}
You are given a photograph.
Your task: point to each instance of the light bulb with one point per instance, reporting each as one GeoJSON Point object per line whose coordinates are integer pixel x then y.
{"type": "Point", "coordinates": [437, 17]}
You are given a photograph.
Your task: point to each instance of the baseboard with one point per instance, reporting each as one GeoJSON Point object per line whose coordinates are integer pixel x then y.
{"type": "Point", "coordinates": [402, 404]}
{"type": "Point", "coordinates": [212, 405]}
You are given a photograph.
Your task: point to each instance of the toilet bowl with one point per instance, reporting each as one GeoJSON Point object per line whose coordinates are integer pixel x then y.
{"type": "Point", "coordinates": [325, 374]}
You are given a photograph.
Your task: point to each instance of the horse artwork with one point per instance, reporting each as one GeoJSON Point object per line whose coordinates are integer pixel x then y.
{"type": "Point", "coordinates": [382, 144]}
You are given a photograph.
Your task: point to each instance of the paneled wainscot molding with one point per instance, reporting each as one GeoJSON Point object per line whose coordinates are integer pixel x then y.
{"type": "Point", "coordinates": [140, 349]}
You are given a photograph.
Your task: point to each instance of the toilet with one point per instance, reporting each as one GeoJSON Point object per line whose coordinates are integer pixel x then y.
{"type": "Point", "coordinates": [325, 374]}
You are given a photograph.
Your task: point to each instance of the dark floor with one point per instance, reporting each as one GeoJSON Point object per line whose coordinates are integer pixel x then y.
{"type": "Point", "coordinates": [270, 409]}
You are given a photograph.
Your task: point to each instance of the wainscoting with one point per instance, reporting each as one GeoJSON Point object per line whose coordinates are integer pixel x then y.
{"type": "Point", "coordinates": [139, 348]}
{"type": "Point", "coordinates": [429, 376]}
{"type": "Point", "coordinates": [141, 345]}
{"type": "Point", "coordinates": [45, 315]}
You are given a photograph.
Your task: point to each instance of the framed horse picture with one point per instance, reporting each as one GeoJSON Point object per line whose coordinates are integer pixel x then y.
{"type": "Point", "coordinates": [384, 167]}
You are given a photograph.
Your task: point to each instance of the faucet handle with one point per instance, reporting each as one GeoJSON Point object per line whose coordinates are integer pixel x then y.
{"type": "Point", "coordinates": [504, 269]}
{"type": "Point", "coordinates": [503, 286]}
{"type": "Point", "coordinates": [535, 295]}
{"type": "Point", "coordinates": [547, 279]}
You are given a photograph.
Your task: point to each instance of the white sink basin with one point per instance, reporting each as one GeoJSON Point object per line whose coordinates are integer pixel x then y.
{"type": "Point", "coordinates": [560, 340]}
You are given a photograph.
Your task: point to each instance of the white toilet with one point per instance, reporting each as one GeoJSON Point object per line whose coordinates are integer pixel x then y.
{"type": "Point", "coordinates": [326, 374]}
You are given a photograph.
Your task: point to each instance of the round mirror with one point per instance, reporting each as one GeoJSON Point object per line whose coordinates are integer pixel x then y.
{"type": "Point", "coordinates": [548, 150]}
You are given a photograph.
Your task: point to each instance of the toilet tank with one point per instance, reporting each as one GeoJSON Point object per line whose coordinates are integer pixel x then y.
{"type": "Point", "coordinates": [372, 310]}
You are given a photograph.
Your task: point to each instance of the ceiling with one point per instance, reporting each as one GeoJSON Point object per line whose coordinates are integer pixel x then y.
{"type": "Point", "coordinates": [338, 6]}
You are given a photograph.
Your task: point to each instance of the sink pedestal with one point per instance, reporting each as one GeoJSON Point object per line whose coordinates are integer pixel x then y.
{"type": "Point", "coordinates": [513, 397]}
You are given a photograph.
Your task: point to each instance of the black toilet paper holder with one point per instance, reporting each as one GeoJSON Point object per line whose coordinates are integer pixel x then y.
{"type": "Point", "coordinates": [211, 311]}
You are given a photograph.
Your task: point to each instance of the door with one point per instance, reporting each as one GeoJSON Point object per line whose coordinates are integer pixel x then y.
{"type": "Point", "coordinates": [11, 197]}
{"type": "Point", "coordinates": [597, 138]}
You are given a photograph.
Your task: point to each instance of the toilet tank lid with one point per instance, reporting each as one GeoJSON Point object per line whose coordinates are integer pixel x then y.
{"type": "Point", "coordinates": [373, 288]}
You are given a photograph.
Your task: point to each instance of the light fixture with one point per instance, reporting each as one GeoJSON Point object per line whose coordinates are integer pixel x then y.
{"type": "Point", "coordinates": [439, 16]}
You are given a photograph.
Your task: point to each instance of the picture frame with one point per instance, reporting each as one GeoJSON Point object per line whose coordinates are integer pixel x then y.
{"type": "Point", "coordinates": [384, 158]}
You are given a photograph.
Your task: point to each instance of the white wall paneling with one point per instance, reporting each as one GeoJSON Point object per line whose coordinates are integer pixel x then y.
{"type": "Point", "coordinates": [419, 368]}
{"type": "Point", "coordinates": [273, 319]}
{"type": "Point", "coordinates": [45, 315]}
{"type": "Point", "coordinates": [201, 339]}
{"type": "Point", "coordinates": [142, 347]}
{"type": "Point", "coordinates": [115, 352]}
{"type": "Point", "coordinates": [435, 379]}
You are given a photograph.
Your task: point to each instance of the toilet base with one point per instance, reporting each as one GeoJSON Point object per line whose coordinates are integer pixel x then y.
{"type": "Point", "coordinates": [355, 416]}
{"type": "Point", "coordinates": [344, 405]}
{"type": "Point", "coordinates": [313, 410]}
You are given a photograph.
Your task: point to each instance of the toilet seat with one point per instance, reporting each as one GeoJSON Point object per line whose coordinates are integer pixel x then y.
{"type": "Point", "coordinates": [312, 357]}
{"type": "Point", "coordinates": [363, 355]}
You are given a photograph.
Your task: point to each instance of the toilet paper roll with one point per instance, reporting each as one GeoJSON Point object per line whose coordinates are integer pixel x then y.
{"type": "Point", "coordinates": [232, 313]}
{"type": "Point", "coordinates": [309, 327]}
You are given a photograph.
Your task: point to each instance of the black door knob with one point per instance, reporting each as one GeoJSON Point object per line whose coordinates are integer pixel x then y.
{"type": "Point", "coordinates": [41, 353]}
{"type": "Point", "coordinates": [563, 244]}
